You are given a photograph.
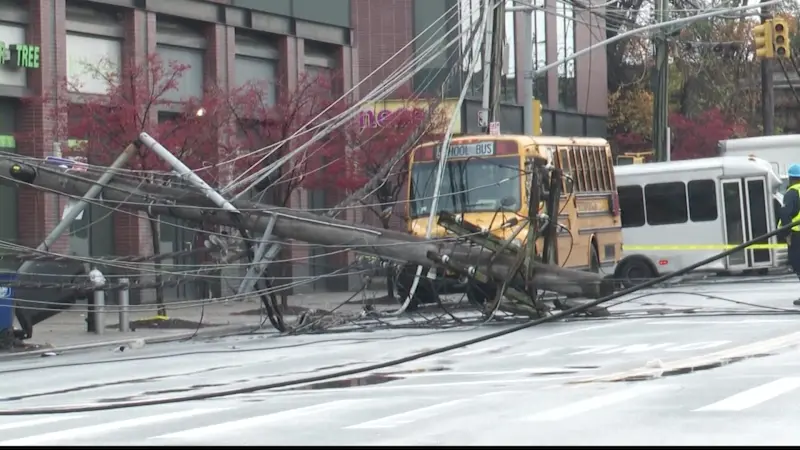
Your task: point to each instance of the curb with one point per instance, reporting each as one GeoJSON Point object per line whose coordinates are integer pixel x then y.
{"type": "Point", "coordinates": [221, 331]}
{"type": "Point", "coordinates": [710, 360]}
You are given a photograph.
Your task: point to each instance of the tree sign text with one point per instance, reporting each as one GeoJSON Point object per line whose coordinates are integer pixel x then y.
{"type": "Point", "coordinates": [19, 55]}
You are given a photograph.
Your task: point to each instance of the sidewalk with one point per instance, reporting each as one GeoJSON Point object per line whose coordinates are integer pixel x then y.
{"type": "Point", "coordinates": [68, 328]}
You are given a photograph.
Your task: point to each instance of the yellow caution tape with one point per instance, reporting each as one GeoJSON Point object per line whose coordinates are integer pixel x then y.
{"type": "Point", "coordinates": [699, 247]}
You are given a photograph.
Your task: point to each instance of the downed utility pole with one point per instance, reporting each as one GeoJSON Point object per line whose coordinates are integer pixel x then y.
{"type": "Point", "coordinates": [296, 225]}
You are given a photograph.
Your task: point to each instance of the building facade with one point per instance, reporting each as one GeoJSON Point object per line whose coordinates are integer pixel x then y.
{"type": "Point", "coordinates": [227, 42]}
{"type": "Point", "coordinates": [574, 95]}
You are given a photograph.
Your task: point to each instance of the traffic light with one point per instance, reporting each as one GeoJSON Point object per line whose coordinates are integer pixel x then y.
{"type": "Point", "coordinates": [780, 38]}
{"type": "Point", "coordinates": [762, 36]}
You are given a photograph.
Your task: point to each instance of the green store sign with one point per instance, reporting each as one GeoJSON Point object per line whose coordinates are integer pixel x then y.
{"type": "Point", "coordinates": [19, 56]}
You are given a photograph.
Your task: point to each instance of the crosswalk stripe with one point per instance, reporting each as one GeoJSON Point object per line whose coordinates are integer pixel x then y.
{"type": "Point", "coordinates": [754, 396]}
{"type": "Point", "coordinates": [107, 427]}
{"type": "Point", "coordinates": [235, 425]}
{"type": "Point", "coordinates": [425, 412]}
{"type": "Point", "coordinates": [592, 403]}
{"type": "Point", "coordinates": [34, 422]}
{"type": "Point", "coordinates": [408, 416]}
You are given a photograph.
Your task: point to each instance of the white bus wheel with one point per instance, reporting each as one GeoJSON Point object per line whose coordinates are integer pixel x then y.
{"type": "Point", "coordinates": [635, 271]}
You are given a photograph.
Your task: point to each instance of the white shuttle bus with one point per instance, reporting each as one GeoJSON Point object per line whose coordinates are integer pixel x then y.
{"type": "Point", "coordinates": [677, 213]}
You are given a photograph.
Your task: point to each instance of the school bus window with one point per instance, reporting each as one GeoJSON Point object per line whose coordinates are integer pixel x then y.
{"type": "Point", "coordinates": [631, 205]}
{"type": "Point", "coordinates": [577, 171]}
{"type": "Point", "coordinates": [592, 157]}
{"type": "Point", "coordinates": [606, 165]}
{"type": "Point", "coordinates": [595, 170]}
{"type": "Point", "coordinates": [598, 169]}
{"type": "Point", "coordinates": [566, 168]}
{"type": "Point", "coordinates": [702, 200]}
{"type": "Point", "coordinates": [665, 203]}
{"type": "Point", "coordinates": [586, 158]}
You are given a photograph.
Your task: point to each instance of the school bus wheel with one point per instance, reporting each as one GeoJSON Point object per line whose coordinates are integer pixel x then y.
{"type": "Point", "coordinates": [594, 257]}
{"type": "Point", "coordinates": [480, 293]}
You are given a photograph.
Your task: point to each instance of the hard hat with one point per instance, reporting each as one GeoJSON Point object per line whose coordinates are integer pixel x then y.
{"type": "Point", "coordinates": [794, 171]}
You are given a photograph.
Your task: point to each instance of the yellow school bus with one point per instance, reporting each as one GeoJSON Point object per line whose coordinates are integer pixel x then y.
{"type": "Point", "coordinates": [485, 180]}
{"type": "Point", "coordinates": [627, 159]}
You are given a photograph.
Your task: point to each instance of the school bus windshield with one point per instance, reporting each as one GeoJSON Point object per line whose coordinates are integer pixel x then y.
{"type": "Point", "coordinates": [469, 185]}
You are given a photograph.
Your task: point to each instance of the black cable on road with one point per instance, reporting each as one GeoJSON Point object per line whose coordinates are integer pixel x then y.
{"type": "Point", "coordinates": [395, 362]}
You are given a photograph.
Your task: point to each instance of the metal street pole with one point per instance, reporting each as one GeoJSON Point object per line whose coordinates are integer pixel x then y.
{"type": "Point", "coordinates": [527, 69]}
{"type": "Point", "coordinates": [488, 47]}
{"type": "Point", "coordinates": [661, 88]}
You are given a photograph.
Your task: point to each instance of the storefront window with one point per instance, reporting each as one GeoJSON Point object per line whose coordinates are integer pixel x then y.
{"type": "Point", "coordinates": [13, 65]}
{"type": "Point", "coordinates": [92, 62]}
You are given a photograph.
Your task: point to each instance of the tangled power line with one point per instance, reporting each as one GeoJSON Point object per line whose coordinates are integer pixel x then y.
{"type": "Point", "coordinates": [231, 249]}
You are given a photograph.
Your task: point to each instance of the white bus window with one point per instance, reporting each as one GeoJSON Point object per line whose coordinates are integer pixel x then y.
{"type": "Point", "coordinates": [665, 203]}
{"type": "Point", "coordinates": [702, 200]}
{"type": "Point", "coordinates": [631, 205]}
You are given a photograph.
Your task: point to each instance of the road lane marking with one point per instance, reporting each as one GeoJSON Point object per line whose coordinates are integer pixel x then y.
{"type": "Point", "coordinates": [281, 416]}
{"type": "Point", "coordinates": [500, 348]}
{"type": "Point", "coordinates": [592, 403]}
{"type": "Point", "coordinates": [34, 422]}
{"type": "Point", "coordinates": [742, 351]}
{"type": "Point", "coordinates": [754, 396]}
{"type": "Point", "coordinates": [414, 415]}
{"type": "Point", "coordinates": [719, 322]}
{"type": "Point", "coordinates": [107, 427]}
{"type": "Point", "coordinates": [543, 371]}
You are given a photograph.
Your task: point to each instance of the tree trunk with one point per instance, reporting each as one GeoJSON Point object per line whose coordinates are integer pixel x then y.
{"type": "Point", "coordinates": [155, 237]}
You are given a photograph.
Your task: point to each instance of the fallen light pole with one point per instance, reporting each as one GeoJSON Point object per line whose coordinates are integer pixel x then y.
{"type": "Point", "coordinates": [303, 226]}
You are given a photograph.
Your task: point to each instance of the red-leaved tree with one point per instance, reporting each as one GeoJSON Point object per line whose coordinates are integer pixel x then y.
{"type": "Point", "coordinates": [372, 144]}
{"type": "Point", "coordinates": [691, 137]}
{"type": "Point", "coordinates": [284, 133]}
{"type": "Point", "coordinates": [372, 168]}
{"type": "Point", "coordinates": [144, 96]}
{"type": "Point", "coordinates": [697, 137]}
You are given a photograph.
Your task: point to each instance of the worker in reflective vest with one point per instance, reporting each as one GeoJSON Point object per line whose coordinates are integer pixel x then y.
{"type": "Point", "coordinates": [790, 213]}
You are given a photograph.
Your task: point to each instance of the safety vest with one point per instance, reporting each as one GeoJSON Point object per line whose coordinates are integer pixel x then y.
{"type": "Point", "coordinates": [795, 187]}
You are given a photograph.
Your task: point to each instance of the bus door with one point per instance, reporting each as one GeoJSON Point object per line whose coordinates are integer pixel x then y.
{"type": "Point", "coordinates": [747, 207]}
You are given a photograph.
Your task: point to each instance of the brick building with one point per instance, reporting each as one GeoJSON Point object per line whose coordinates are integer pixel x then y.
{"type": "Point", "coordinates": [228, 42]}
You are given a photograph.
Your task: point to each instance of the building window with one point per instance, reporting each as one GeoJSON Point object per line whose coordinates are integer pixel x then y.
{"type": "Point", "coordinates": [539, 27]}
{"type": "Point", "coordinates": [509, 86]}
{"type": "Point", "coordinates": [257, 62]}
{"type": "Point", "coordinates": [567, 79]}
{"type": "Point", "coordinates": [190, 84]}
{"type": "Point", "coordinates": [94, 46]}
{"type": "Point", "coordinates": [92, 62]}
{"type": "Point", "coordinates": [180, 42]}
{"type": "Point", "coordinates": [469, 16]}
{"type": "Point", "coordinates": [261, 71]}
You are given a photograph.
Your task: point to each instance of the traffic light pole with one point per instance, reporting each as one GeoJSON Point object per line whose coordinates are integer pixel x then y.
{"type": "Point", "coordinates": [661, 99]}
{"type": "Point", "coordinates": [767, 88]}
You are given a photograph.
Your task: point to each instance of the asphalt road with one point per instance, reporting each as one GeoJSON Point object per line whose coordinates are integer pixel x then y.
{"type": "Point", "coordinates": [704, 380]}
